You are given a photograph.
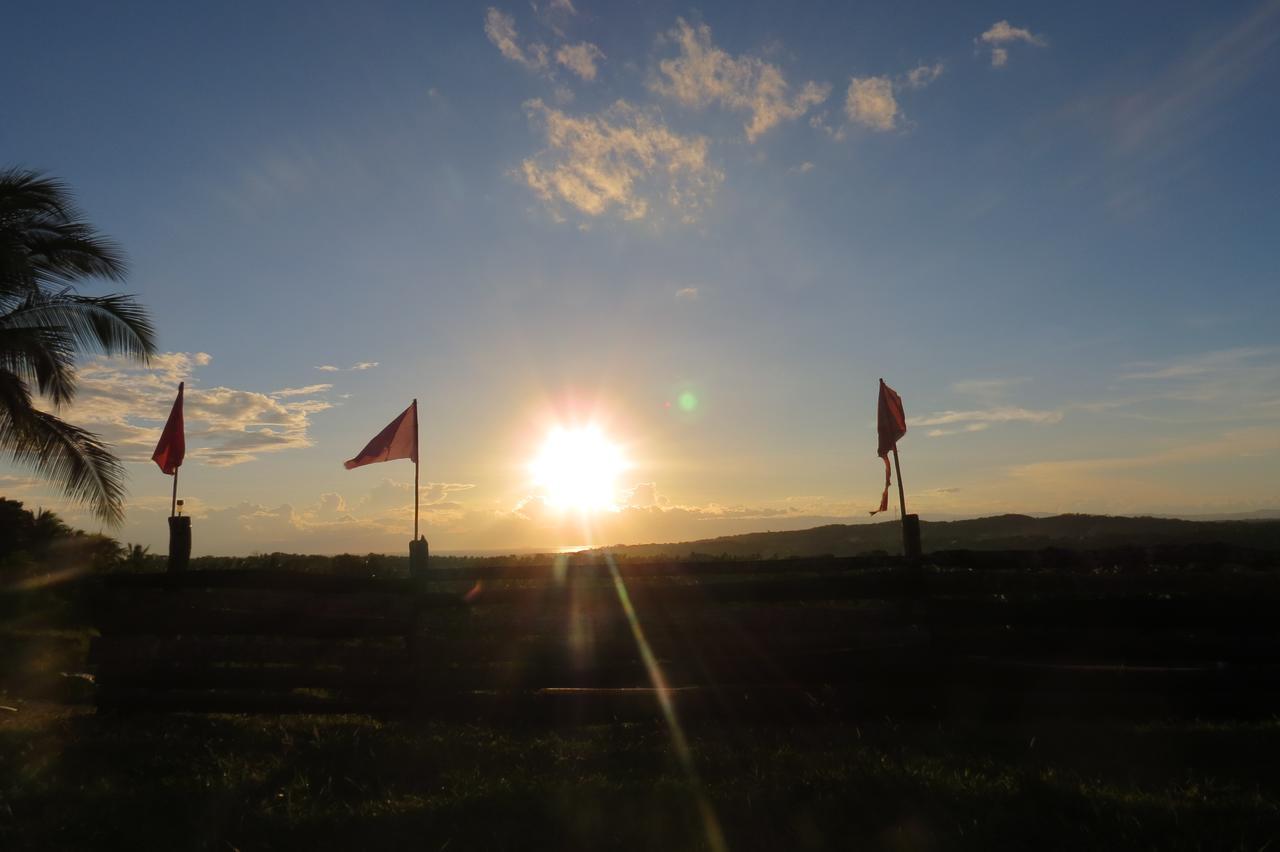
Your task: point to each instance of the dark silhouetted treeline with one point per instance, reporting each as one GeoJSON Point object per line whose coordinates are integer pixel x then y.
{"type": "Point", "coordinates": [40, 541]}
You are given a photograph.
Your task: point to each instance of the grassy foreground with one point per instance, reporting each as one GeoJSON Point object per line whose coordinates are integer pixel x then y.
{"type": "Point", "coordinates": [72, 779]}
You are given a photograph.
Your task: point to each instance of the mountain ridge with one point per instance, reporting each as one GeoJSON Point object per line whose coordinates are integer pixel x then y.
{"type": "Point", "coordinates": [997, 532]}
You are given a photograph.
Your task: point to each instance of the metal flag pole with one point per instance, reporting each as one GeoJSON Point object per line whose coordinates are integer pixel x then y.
{"type": "Point", "coordinates": [416, 463]}
{"type": "Point", "coordinates": [173, 504]}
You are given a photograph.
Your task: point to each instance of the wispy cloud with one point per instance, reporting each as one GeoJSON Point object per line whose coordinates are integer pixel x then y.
{"type": "Point", "coordinates": [1001, 34]}
{"type": "Point", "coordinates": [354, 368]}
{"type": "Point", "coordinates": [308, 390]}
{"type": "Point", "coordinates": [703, 74]}
{"type": "Point", "coordinates": [619, 161]}
{"type": "Point", "coordinates": [1238, 384]}
{"type": "Point", "coordinates": [1166, 104]}
{"type": "Point", "coordinates": [986, 388]}
{"type": "Point", "coordinates": [501, 30]}
{"type": "Point", "coordinates": [1237, 443]}
{"type": "Point", "coordinates": [923, 75]}
{"type": "Point", "coordinates": [978, 420]}
{"type": "Point", "coordinates": [580, 58]}
{"type": "Point", "coordinates": [687, 294]}
{"type": "Point", "coordinates": [1202, 364]}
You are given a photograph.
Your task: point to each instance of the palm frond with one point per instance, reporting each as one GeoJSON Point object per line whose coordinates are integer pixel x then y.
{"type": "Point", "coordinates": [54, 449]}
{"type": "Point", "coordinates": [113, 325]}
{"type": "Point", "coordinates": [41, 355]}
{"type": "Point", "coordinates": [66, 252]}
{"type": "Point", "coordinates": [24, 191]}
{"type": "Point", "coordinates": [43, 240]}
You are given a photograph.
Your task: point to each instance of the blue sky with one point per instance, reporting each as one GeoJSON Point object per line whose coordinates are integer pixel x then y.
{"type": "Point", "coordinates": [1051, 227]}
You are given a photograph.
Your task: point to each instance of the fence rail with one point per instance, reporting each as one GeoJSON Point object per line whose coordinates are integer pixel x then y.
{"type": "Point", "coordinates": [758, 640]}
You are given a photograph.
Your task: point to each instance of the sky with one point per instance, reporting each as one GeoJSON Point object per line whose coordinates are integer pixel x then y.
{"type": "Point", "coordinates": [706, 230]}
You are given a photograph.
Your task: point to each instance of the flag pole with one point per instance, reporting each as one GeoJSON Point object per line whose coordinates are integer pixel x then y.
{"type": "Point", "coordinates": [415, 469]}
{"type": "Point", "coordinates": [173, 505]}
{"type": "Point", "coordinates": [897, 468]}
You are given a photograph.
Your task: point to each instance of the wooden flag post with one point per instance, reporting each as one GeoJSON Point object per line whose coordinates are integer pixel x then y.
{"type": "Point", "coordinates": [910, 523]}
{"type": "Point", "coordinates": [399, 440]}
{"type": "Point", "coordinates": [897, 469]}
{"type": "Point", "coordinates": [416, 461]}
{"type": "Point", "coordinates": [418, 553]}
{"type": "Point", "coordinates": [169, 455]}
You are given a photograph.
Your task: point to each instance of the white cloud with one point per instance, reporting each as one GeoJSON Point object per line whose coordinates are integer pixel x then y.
{"type": "Point", "coordinates": [703, 74]}
{"type": "Point", "coordinates": [870, 102]}
{"type": "Point", "coordinates": [803, 168]}
{"type": "Point", "coordinates": [873, 101]}
{"type": "Point", "coordinates": [687, 294]}
{"type": "Point", "coordinates": [328, 368]}
{"type": "Point", "coordinates": [364, 365]}
{"type": "Point", "coordinates": [501, 30]}
{"type": "Point", "coordinates": [580, 58]}
{"type": "Point", "coordinates": [127, 404]}
{"type": "Point", "coordinates": [617, 161]}
{"type": "Point", "coordinates": [1000, 34]}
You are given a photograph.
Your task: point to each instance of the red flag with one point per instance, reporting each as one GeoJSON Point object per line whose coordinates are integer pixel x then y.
{"type": "Point", "coordinates": [398, 441]}
{"type": "Point", "coordinates": [891, 423]}
{"type": "Point", "coordinates": [172, 448]}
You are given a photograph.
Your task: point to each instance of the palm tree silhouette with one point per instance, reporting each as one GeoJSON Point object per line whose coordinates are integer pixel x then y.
{"type": "Point", "coordinates": [45, 251]}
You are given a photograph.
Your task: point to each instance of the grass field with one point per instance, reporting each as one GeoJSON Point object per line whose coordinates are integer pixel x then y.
{"type": "Point", "coordinates": [72, 778]}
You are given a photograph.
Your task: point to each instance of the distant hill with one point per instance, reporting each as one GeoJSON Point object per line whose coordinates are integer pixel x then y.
{"type": "Point", "coordinates": [1002, 532]}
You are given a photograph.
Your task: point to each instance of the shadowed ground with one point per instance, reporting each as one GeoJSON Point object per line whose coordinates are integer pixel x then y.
{"type": "Point", "coordinates": [1118, 777]}
{"type": "Point", "coordinates": [70, 779]}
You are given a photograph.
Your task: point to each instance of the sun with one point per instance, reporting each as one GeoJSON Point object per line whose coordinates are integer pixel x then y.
{"type": "Point", "coordinates": [578, 469]}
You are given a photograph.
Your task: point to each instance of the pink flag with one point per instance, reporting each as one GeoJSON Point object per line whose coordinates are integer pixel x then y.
{"type": "Point", "coordinates": [398, 441]}
{"type": "Point", "coordinates": [172, 448]}
{"type": "Point", "coordinates": [891, 423]}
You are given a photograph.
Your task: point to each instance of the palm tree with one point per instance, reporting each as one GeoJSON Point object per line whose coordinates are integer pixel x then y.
{"type": "Point", "coordinates": [46, 249]}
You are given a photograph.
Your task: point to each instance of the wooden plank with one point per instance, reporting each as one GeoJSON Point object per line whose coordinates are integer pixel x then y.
{"type": "Point", "coordinates": [143, 621]}
{"type": "Point", "coordinates": [264, 580]}
{"type": "Point", "coordinates": [734, 703]}
{"type": "Point", "coordinates": [123, 650]}
{"type": "Point", "coordinates": [160, 676]}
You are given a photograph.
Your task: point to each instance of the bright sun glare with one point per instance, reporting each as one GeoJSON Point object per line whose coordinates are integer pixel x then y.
{"type": "Point", "coordinates": [578, 469]}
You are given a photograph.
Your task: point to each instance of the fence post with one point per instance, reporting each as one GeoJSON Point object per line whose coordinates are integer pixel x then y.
{"type": "Point", "coordinates": [179, 542]}
{"type": "Point", "coordinates": [418, 559]}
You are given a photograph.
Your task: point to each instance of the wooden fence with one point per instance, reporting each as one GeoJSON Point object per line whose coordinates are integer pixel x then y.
{"type": "Point", "coordinates": [775, 640]}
